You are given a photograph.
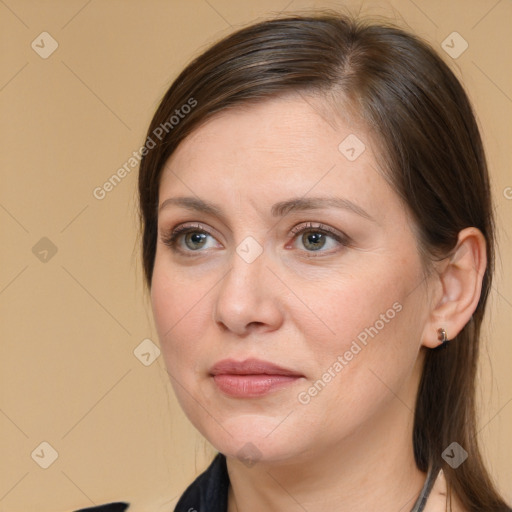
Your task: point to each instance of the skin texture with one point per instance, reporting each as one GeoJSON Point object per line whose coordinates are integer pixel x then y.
{"type": "Point", "coordinates": [350, 446]}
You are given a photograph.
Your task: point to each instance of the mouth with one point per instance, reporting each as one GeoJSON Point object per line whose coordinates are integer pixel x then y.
{"type": "Point", "coordinates": [251, 378]}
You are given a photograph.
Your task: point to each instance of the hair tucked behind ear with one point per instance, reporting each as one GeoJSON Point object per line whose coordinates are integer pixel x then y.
{"type": "Point", "coordinates": [423, 121]}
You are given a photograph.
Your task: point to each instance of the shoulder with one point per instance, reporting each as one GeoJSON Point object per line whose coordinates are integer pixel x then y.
{"type": "Point", "coordinates": [107, 507]}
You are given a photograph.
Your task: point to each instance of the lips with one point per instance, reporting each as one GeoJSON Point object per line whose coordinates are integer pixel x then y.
{"type": "Point", "coordinates": [251, 367]}
{"type": "Point", "coordinates": [251, 378]}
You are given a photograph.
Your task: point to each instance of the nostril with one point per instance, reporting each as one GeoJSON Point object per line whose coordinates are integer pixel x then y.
{"type": "Point", "coordinates": [254, 325]}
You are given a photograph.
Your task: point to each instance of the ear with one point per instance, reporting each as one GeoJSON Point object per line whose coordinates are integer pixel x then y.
{"type": "Point", "coordinates": [458, 287]}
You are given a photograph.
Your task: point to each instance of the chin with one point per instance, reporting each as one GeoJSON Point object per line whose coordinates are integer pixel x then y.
{"type": "Point", "coordinates": [255, 438]}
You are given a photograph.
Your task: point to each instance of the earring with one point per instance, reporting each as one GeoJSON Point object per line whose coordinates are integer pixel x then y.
{"type": "Point", "coordinates": [441, 335]}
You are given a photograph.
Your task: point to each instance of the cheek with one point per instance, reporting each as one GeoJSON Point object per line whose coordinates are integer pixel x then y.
{"type": "Point", "coordinates": [179, 309]}
{"type": "Point", "coordinates": [349, 305]}
{"type": "Point", "coordinates": [373, 320]}
{"type": "Point", "coordinates": [182, 309]}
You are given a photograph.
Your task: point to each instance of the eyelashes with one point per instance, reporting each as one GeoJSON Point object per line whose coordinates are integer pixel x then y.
{"type": "Point", "coordinates": [192, 239]}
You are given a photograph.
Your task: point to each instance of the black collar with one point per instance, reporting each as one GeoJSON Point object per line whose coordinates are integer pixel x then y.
{"type": "Point", "coordinates": [209, 491]}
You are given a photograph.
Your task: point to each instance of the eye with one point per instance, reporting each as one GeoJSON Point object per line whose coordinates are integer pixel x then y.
{"type": "Point", "coordinates": [187, 238]}
{"type": "Point", "coordinates": [319, 238]}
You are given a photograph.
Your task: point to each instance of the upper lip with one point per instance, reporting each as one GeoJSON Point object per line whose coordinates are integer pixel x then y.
{"type": "Point", "coordinates": [250, 367]}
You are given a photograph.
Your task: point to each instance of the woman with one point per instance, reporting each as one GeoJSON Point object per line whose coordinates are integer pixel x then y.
{"type": "Point", "coordinates": [318, 243]}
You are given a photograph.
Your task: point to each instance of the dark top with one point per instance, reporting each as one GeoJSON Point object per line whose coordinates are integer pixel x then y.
{"type": "Point", "coordinates": [209, 492]}
{"type": "Point", "coordinates": [109, 507]}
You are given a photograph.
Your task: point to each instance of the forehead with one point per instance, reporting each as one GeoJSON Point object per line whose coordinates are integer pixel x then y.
{"type": "Point", "coordinates": [273, 137]}
{"type": "Point", "coordinates": [283, 147]}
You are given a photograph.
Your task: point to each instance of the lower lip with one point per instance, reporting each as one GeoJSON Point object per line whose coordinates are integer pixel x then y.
{"type": "Point", "coordinates": [249, 386]}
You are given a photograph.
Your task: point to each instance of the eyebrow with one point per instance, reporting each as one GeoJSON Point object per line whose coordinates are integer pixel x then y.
{"type": "Point", "coordinates": [278, 209]}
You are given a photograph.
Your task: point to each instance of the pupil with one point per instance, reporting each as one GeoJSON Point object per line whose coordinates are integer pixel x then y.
{"type": "Point", "coordinates": [196, 239]}
{"type": "Point", "coordinates": [314, 240]}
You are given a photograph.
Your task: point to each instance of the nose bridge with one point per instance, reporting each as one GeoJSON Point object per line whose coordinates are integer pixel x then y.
{"type": "Point", "coordinates": [244, 296]}
{"type": "Point", "coordinates": [247, 267]}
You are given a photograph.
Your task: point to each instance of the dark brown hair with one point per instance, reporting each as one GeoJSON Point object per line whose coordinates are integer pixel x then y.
{"type": "Point", "coordinates": [424, 124]}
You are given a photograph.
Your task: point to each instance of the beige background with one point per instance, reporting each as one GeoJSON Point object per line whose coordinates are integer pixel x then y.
{"type": "Point", "coordinates": [70, 324]}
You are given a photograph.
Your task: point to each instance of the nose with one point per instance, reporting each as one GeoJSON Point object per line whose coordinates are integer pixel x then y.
{"type": "Point", "coordinates": [247, 298]}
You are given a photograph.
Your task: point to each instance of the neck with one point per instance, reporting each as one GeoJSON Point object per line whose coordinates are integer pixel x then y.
{"type": "Point", "coordinates": [372, 469]}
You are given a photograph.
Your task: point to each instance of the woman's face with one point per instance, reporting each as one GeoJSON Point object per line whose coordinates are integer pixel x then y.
{"type": "Point", "coordinates": [299, 254]}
